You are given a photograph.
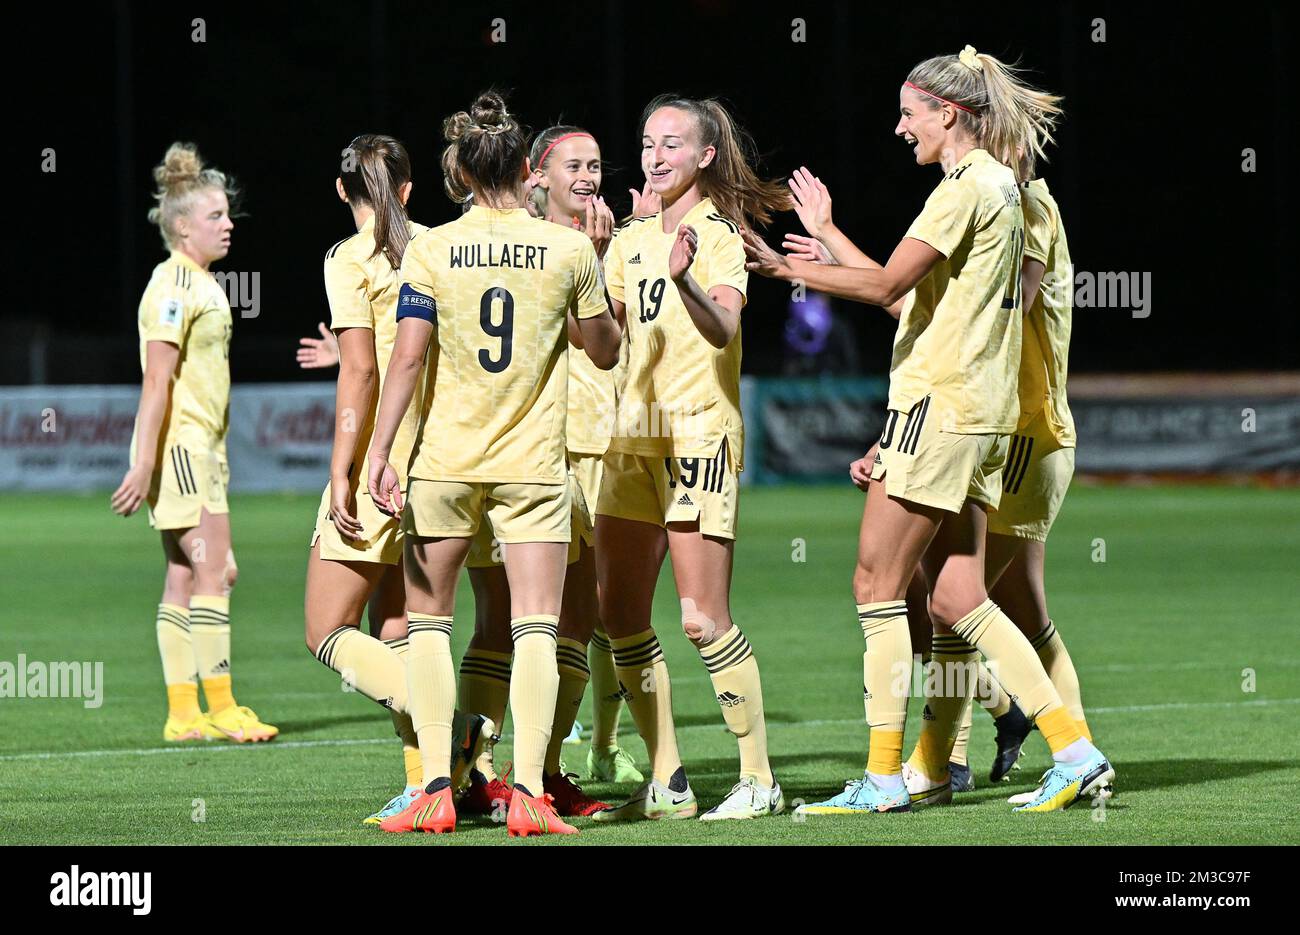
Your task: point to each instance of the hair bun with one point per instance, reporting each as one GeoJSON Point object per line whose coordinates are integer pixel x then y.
{"type": "Point", "coordinates": [181, 166]}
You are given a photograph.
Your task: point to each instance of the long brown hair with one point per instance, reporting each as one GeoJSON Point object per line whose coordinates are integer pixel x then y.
{"type": "Point", "coordinates": [178, 179]}
{"type": "Point", "coordinates": [374, 168]}
{"type": "Point", "coordinates": [1002, 111]}
{"type": "Point", "coordinates": [729, 181]}
{"type": "Point", "coordinates": [486, 148]}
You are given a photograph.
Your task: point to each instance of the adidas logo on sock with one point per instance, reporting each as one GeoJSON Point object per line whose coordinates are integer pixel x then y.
{"type": "Point", "coordinates": [927, 714]}
{"type": "Point", "coordinates": [220, 667]}
{"type": "Point", "coordinates": [635, 259]}
{"type": "Point", "coordinates": [866, 693]}
{"type": "Point", "coordinates": [730, 699]}
{"type": "Point", "coordinates": [685, 500]}
{"type": "Point", "coordinates": [622, 693]}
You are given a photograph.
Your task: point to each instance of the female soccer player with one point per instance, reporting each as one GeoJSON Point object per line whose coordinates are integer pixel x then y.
{"type": "Point", "coordinates": [952, 405]}
{"type": "Point", "coordinates": [677, 279]}
{"type": "Point", "coordinates": [565, 186]}
{"type": "Point", "coordinates": [178, 450]}
{"type": "Point", "coordinates": [355, 557]}
{"type": "Point", "coordinates": [495, 287]}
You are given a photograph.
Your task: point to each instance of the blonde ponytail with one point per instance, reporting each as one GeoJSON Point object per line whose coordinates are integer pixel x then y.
{"type": "Point", "coordinates": [1004, 114]}
{"type": "Point", "coordinates": [178, 180]}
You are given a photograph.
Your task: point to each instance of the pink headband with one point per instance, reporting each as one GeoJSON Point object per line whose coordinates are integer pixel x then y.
{"type": "Point", "coordinates": [937, 97]}
{"type": "Point", "coordinates": [559, 139]}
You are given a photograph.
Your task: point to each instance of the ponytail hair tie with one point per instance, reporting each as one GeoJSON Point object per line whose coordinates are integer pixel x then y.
{"type": "Point", "coordinates": [970, 58]}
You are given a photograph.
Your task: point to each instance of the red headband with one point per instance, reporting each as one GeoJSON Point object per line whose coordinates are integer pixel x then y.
{"type": "Point", "coordinates": [559, 139]}
{"type": "Point", "coordinates": [937, 97]}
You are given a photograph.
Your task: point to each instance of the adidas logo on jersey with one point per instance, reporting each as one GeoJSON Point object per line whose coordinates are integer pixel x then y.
{"type": "Point", "coordinates": [730, 699]}
{"type": "Point", "coordinates": [685, 500]}
{"type": "Point", "coordinates": [635, 259]}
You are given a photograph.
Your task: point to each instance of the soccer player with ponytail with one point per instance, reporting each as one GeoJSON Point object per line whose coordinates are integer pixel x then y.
{"type": "Point", "coordinates": [486, 299]}
{"type": "Point", "coordinates": [178, 449]}
{"type": "Point", "coordinates": [953, 404]}
{"type": "Point", "coordinates": [677, 279]}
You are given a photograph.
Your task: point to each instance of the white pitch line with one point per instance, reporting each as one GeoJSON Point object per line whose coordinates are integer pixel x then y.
{"type": "Point", "coordinates": [216, 747]}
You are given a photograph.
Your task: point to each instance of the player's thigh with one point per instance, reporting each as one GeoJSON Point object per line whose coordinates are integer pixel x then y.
{"type": "Point", "coordinates": [893, 537]}
{"type": "Point", "coordinates": [432, 568]}
{"type": "Point", "coordinates": [702, 569]}
{"type": "Point", "coordinates": [491, 608]}
{"type": "Point", "coordinates": [954, 565]}
{"type": "Point", "coordinates": [999, 552]}
{"type": "Point", "coordinates": [629, 554]}
{"type": "Point", "coordinates": [386, 610]}
{"type": "Point", "coordinates": [1020, 591]}
{"type": "Point", "coordinates": [336, 594]}
{"type": "Point", "coordinates": [536, 574]}
{"type": "Point", "coordinates": [579, 609]}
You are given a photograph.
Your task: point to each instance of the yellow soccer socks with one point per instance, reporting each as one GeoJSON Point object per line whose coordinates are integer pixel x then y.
{"type": "Point", "coordinates": [571, 663]}
{"type": "Point", "coordinates": [642, 676]}
{"type": "Point", "coordinates": [367, 665]}
{"type": "Point", "coordinates": [485, 690]}
{"type": "Point", "coordinates": [886, 681]}
{"type": "Point", "coordinates": [402, 725]}
{"type": "Point", "coordinates": [210, 636]}
{"type": "Point", "coordinates": [1060, 669]}
{"type": "Point", "coordinates": [1015, 664]}
{"type": "Point", "coordinates": [431, 691]}
{"type": "Point", "coordinates": [180, 671]}
{"type": "Point", "coordinates": [949, 687]}
{"type": "Point", "coordinates": [739, 690]}
{"type": "Point", "coordinates": [534, 681]}
{"type": "Point", "coordinates": [606, 700]}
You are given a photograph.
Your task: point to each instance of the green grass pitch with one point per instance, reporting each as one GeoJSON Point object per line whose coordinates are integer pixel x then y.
{"type": "Point", "coordinates": [1194, 601]}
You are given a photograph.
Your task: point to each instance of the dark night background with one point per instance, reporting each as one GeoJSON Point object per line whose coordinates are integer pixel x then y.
{"type": "Point", "coordinates": [1147, 170]}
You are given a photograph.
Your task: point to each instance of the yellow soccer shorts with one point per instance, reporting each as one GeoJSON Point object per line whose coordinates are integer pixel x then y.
{"type": "Point", "coordinates": [584, 481]}
{"type": "Point", "coordinates": [517, 512]}
{"type": "Point", "coordinates": [383, 534]}
{"type": "Point", "coordinates": [921, 463]}
{"type": "Point", "coordinates": [673, 490]}
{"type": "Point", "coordinates": [1034, 481]}
{"type": "Point", "coordinates": [187, 482]}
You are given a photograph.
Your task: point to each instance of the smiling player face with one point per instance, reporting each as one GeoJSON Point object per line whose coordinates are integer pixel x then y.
{"type": "Point", "coordinates": [920, 125]}
{"type": "Point", "coordinates": [671, 154]}
{"type": "Point", "coordinates": [572, 176]}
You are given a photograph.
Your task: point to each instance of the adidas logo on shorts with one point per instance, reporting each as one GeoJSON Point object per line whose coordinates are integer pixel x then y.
{"type": "Point", "coordinates": [635, 259]}
{"type": "Point", "coordinates": [730, 699]}
{"type": "Point", "coordinates": [685, 500]}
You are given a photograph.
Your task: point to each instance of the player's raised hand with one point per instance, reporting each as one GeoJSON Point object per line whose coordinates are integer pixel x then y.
{"type": "Point", "coordinates": [343, 508]}
{"type": "Point", "coordinates": [682, 254]}
{"type": "Point", "coordinates": [762, 259]}
{"type": "Point", "coordinates": [132, 491]}
{"type": "Point", "coordinates": [808, 249]}
{"type": "Point", "coordinates": [314, 353]}
{"type": "Point", "coordinates": [812, 201]}
{"type": "Point", "coordinates": [645, 203]}
{"type": "Point", "coordinates": [384, 488]}
{"type": "Point", "coordinates": [600, 225]}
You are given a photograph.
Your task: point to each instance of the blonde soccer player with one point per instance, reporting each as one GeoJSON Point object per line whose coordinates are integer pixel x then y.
{"type": "Point", "coordinates": [564, 189]}
{"type": "Point", "coordinates": [952, 406]}
{"type": "Point", "coordinates": [178, 449]}
{"type": "Point", "coordinates": [487, 297]}
{"type": "Point", "coordinates": [671, 476]}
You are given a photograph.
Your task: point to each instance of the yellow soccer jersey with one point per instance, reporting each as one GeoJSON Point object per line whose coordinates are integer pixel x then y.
{"type": "Point", "coordinates": [1046, 348]}
{"type": "Point", "coordinates": [362, 291]}
{"type": "Point", "coordinates": [959, 336]}
{"type": "Point", "coordinates": [498, 285]}
{"type": "Point", "coordinates": [591, 405]}
{"type": "Point", "coordinates": [682, 395]}
{"type": "Point", "coordinates": [186, 306]}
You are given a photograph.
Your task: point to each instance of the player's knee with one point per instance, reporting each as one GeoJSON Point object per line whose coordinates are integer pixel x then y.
{"type": "Point", "coordinates": [948, 607]}
{"type": "Point", "coordinates": [230, 576]}
{"type": "Point", "coordinates": [698, 626]}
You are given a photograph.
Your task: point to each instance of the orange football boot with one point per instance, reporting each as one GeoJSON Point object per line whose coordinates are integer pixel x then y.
{"type": "Point", "coordinates": [531, 814]}
{"type": "Point", "coordinates": [430, 811]}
